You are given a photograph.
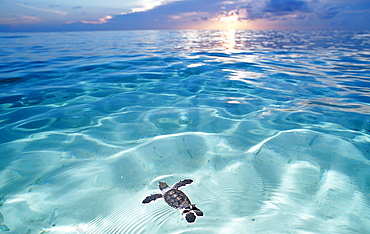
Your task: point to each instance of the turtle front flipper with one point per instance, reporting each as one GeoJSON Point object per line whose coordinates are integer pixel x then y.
{"type": "Point", "coordinates": [151, 198]}
{"type": "Point", "coordinates": [182, 183]}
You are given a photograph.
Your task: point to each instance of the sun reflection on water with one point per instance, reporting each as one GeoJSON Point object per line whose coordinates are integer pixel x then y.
{"type": "Point", "coordinates": [229, 39]}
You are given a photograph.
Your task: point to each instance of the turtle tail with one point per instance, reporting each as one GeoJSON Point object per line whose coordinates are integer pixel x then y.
{"type": "Point", "coordinates": [191, 213]}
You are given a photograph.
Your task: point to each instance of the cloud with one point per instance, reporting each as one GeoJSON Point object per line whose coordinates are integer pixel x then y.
{"type": "Point", "coordinates": [223, 14]}
{"type": "Point", "coordinates": [22, 19]}
{"type": "Point", "coordinates": [42, 9]}
{"type": "Point", "coordinates": [328, 12]}
{"type": "Point", "coordinates": [277, 9]}
{"type": "Point", "coordinates": [102, 20]}
{"type": "Point", "coordinates": [172, 15]}
{"type": "Point", "coordinates": [190, 13]}
{"type": "Point", "coordinates": [282, 7]}
{"type": "Point", "coordinates": [148, 5]}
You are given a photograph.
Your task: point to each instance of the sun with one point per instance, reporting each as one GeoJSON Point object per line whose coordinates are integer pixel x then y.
{"type": "Point", "coordinates": [229, 22]}
{"type": "Point", "coordinates": [230, 18]}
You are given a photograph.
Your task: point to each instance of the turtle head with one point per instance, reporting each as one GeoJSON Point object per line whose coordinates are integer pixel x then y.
{"type": "Point", "coordinates": [162, 185]}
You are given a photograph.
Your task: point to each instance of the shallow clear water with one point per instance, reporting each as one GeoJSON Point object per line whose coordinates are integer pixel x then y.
{"type": "Point", "coordinates": [274, 128]}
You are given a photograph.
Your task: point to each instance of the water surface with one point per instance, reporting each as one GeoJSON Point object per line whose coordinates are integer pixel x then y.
{"type": "Point", "coordinates": [272, 126]}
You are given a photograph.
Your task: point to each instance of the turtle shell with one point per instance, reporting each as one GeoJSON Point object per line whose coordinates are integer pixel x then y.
{"type": "Point", "coordinates": [176, 198]}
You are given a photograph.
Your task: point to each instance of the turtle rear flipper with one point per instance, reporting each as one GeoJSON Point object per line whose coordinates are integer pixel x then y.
{"type": "Point", "coordinates": [191, 213]}
{"type": "Point", "coordinates": [197, 211]}
{"type": "Point", "coordinates": [190, 217]}
{"type": "Point", "coordinates": [182, 183]}
{"type": "Point", "coordinates": [151, 198]}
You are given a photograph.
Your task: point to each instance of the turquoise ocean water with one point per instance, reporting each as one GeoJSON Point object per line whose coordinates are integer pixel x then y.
{"type": "Point", "coordinates": [272, 126]}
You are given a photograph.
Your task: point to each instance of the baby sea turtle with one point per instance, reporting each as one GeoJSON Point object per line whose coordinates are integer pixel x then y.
{"type": "Point", "coordinates": [176, 199]}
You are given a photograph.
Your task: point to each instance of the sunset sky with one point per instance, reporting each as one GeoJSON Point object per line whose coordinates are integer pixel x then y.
{"type": "Point", "coordinates": [86, 15]}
